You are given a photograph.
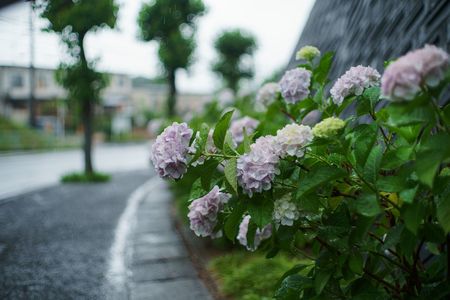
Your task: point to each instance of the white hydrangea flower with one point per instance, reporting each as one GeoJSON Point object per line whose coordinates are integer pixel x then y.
{"type": "Point", "coordinates": [260, 234]}
{"type": "Point", "coordinates": [292, 139]}
{"type": "Point", "coordinates": [285, 211]}
{"type": "Point", "coordinates": [267, 93]}
{"type": "Point", "coordinates": [353, 82]}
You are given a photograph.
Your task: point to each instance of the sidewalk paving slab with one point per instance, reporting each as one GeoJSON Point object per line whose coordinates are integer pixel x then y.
{"type": "Point", "coordinates": [160, 265]}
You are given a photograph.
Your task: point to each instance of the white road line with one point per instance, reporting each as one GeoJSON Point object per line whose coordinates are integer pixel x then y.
{"type": "Point", "coordinates": [117, 267]}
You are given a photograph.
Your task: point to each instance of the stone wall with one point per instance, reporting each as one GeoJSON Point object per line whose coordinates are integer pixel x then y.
{"type": "Point", "coordinates": [369, 32]}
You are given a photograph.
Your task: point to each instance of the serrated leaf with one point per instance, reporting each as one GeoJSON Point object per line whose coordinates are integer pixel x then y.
{"type": "Point", "coordinates": [251, 232]}
{"type": "Point", "coordinates": [443, 213]}
{"type": "Point", "coordinates": [200, 142]}
{"type": "Point", "coordinates": [230, 173]}
{"type": "Point", "coordinates": [221, 129]}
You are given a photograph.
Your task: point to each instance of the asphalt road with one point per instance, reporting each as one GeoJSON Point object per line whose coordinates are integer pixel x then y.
{"type": "Point", "coordinates": [24, 172]}
{"type": "Point", "coordinates": [55, 242]}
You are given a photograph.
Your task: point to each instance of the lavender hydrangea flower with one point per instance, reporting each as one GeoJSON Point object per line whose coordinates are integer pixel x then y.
{"type": "Point", "coordinates": [353, 82]}
{"type": "Point", "coordinates": [292, 139]}
{"type": "Point", "coordinates": [203, 211]}
{"type": "Point", "coordinates": [294, 85]}
{"type": "Point", "coordinates": [170, 150]}
{"type": "Point", "coordinates": [257, 169]}
{"type": "Point", "coordinates": [237, 128]}
{"type": "Point", "coordinates": [285, 211]}
{"type": "Point", "coordinates": [403, 78]}
{"type": "Point", "coordinates": [260, 234]}
{"type": "Point", "coordinates": [267, 93]}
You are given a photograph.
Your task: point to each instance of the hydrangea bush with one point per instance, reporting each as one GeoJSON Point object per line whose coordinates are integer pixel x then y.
{"type": "Point", "coordinates": [372, 198]}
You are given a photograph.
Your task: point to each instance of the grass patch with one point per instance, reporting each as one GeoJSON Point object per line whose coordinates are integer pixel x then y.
{"type": "Point", "coordinates": [19, 137]}
{"type": "Point", "coordinates": [83, 177]}
{"type": "Point", "coordinates": [250, 276]}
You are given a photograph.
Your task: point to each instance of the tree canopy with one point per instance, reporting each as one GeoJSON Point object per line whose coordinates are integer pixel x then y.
{"type": "Point", "coordinates": [232, 47]}
{"type": "Point", "coordinates": [171, 23]}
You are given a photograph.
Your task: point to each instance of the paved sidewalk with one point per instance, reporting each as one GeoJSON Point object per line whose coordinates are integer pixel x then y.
{"type": "Point", "coordinates": [159, 264]}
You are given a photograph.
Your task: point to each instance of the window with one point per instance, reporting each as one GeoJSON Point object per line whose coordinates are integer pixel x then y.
{"type": "Point", "coordinates": [16, 80]}
{"type": "Point", "coordinates": [42, 80]}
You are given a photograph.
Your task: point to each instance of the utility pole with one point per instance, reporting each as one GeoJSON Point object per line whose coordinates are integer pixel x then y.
{"type": "Point", "coordinates": [32, 100]}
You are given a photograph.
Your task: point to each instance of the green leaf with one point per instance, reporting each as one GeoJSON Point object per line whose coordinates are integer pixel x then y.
{"type": "Point", "coordinates": [197, 190]}
{"type": "Point", "coordinates": [207, 171]}
{"type": "Point", "coordinates": [367, 205]}
{"type": "Point", "coordinates": [356, 262]}
{"type": "Point", "coordinates": [391, 184]}
{"type": "Point", "coordinates": [321, 280]}
{"type": "Point", "coordinates": [413, 215]}
{"type": "Point", "coordinates": [317, 177]}
{"type": "Point", "coordinates": [408, 195]}
{"type": "Point", "coordinates": [231, 225]}
{"type": "Point", "coordinates": [260, 211]}
{"type": "Point", "coordinates": [230, 173]}
{"type": "Point", "coordinates": [292, 286]}
{"type": "Point", "coordinates": [228, 148]}
{"type": "Point", "coordinates": [221, 129]}
{"type": "Point", "coordinates": [200, 142]}
{"type": "Point", "coordinates": [373, 164]}
{"type": "Point", "coordinates": [364, 138]}
{"type": "Point", "coordinates": [372, 94]}
{"type": "Point", "coordinates": [251, 232]}
{"type": "Point", "coordinates": [429, 157]}
{"type": "Point", "coordinates": [405, 115]}
{"type": "Point", "coordinates": [393, 237]}
{"type": "Point", "coordinates": [321, 73]}
{"type": "Point", "coordinates": [443, 212]}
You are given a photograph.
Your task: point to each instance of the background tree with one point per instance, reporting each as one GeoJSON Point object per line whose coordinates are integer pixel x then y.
{"type": "Point", "coordinates": [233, 47]}
{"type": "Point", "coordinates": [73, 20]}
{"type": "Point", "coordinates": [172, 24]}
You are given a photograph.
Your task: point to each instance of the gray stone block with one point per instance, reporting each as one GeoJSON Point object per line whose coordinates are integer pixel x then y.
{"type": "Point", "coordinates": [161, 252]}
{"type": "Point", "coordinates": [167, 270]}
{"type": "Point", "coordinates": [181, 289]}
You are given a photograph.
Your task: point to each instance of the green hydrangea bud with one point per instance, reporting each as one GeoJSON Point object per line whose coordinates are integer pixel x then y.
{"type": "Point", "coordinates": [307, 52]}
{"type": "Point", "coordinates": [328, 127]}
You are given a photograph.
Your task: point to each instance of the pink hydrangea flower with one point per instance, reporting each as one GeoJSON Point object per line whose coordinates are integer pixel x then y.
{"type": "Point", "coordinates": [257, 169]}
{"type": "Point", "coordinates": [260, 234]}
{"type": "Point", "coordinates": [170, 150]}
{"type": "Point", "coordinates": [353, 82]}
{"type": "Point", "coordinates": [237, 128]}
{"type": "Point", "coordinates": [294, 85]}
{"type": "Point", "coordinates": [203, 212]}
{"type": "Point", "coordinates": [403, 78]}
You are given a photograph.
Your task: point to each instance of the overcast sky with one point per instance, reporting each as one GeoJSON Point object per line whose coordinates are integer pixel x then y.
{"type": "Point", "coordinates": [277, 25]}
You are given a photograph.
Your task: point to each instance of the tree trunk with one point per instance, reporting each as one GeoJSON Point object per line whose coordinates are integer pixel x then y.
{"type": "Point", "coordinates": [87, 116]}
{"type": "Point", "coordinates": [172, 97]}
